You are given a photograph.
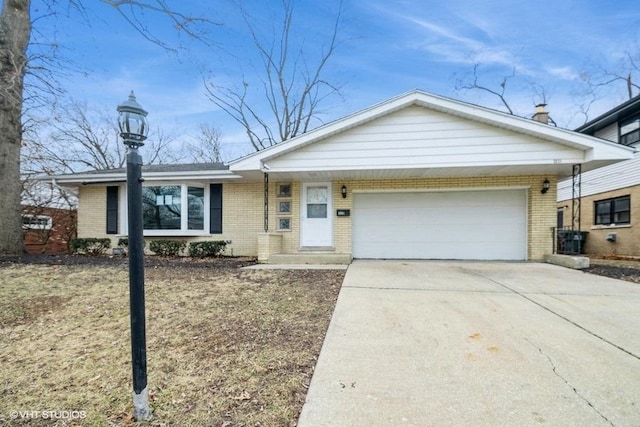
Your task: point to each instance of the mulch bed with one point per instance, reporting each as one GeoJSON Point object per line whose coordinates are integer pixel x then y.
{"type": "Point", "coordinates": [622, 273]}
{"type": "Point", "coordinates": [117, 260]}
{"type": "Point", "coordinates": [624, 269]}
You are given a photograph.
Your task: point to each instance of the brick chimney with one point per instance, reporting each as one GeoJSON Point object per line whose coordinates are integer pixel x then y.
{"type": "Point", "coordinates": [541, 114]}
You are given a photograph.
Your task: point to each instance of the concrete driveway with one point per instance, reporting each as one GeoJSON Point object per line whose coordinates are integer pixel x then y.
{"type": "Point", "coordinates": [431, 343]}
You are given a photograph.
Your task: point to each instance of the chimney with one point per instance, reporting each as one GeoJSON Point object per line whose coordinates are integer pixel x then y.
{"type": "Point", "coordinates": [541, 114]}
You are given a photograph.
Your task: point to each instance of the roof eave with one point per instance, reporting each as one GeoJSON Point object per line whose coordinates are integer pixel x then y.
{"type": "Point", "coordinates": [103, 178]}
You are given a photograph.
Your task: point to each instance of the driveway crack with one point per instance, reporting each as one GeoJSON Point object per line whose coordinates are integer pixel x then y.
{"type": "Point", "coordinates": [566, 319]}
{"type": "Point", "coordinates": [571, 386]}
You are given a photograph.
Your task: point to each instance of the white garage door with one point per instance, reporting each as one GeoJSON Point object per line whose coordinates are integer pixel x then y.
{"type": "Point", "coordinates": [483, 225]}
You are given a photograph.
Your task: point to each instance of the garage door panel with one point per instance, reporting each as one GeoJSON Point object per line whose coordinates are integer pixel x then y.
{"type": "Point", "coordinates": [446, 225]}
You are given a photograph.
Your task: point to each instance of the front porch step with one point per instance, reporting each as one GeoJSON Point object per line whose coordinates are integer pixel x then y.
{"type": "Point", "coordinates": [310, 258]}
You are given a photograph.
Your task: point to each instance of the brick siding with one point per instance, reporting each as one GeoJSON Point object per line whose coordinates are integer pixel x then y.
{"type": "Point", "coordinates": [627, 236]}
{"type": "Point", "coordinates": [243, 217]}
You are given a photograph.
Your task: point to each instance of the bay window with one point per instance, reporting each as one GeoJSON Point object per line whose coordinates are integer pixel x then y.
{"type": "Point", "coordinates": [169, 209]}
{"type": "Point", "coordinates": [173, 209]}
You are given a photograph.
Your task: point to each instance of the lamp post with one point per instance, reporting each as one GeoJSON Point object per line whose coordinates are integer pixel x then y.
{"type": "Point", "coordinates": [133, 130]}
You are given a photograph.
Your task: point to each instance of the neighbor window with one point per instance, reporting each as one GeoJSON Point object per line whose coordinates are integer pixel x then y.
{"type": "Point", "coordinates": [630, 131]}
{"type": "Point", "coordinates": [613, 211]}
{"type": "Point", "coordinates": [163, 207]}
{"type": "Point", "coordinates": [36, 222]}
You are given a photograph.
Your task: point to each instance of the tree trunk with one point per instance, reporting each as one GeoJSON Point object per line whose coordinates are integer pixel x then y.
{"type": "Point", "coordinates": [15, 29]}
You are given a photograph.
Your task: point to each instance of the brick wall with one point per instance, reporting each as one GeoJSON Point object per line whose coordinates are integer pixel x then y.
{"type": "Point", "coordinates": [242, 210]}
{"type": "Point", "coordinates": [243, 216]}
{"type": "Point", "coordinates": [627, 236]}
{"type": "Point", "coordinates": [92, 208]}
{"type": "Point", "coordinates": [54, 240]}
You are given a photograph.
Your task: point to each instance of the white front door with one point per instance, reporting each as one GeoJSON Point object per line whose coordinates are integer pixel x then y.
{"type": "Point", "coordinates": [316, 228]}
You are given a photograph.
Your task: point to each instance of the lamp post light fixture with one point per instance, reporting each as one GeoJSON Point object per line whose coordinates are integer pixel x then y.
{"type": "Point", "coordinates": [133, 130]}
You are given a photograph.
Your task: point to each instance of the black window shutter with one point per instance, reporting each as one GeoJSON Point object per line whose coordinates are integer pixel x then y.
{"type": "Point", "coordinates": [215, 209]}
{"type": "Point", "coordinates": [112, 209]}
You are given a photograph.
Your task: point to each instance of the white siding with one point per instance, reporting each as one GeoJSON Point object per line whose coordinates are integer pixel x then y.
{"type": "Point", "coordinates": [416, 137]}
{"type": "Point", "coordinates": [619, 175]}
{"type": "Point", "coordinates": [610, 133]}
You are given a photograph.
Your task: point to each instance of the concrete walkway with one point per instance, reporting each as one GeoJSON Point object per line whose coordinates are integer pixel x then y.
{"type": "Point", "coordinates": [430, 343]}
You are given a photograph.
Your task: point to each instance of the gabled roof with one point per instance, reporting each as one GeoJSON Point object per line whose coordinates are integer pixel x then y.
{"type": "Point", "coordinates": [593, 151]}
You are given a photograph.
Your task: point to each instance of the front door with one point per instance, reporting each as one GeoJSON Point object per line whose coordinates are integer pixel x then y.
{"type": "Point", "coordinates": [315, 215]}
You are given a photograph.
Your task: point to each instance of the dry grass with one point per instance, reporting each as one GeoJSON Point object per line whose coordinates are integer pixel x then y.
{"type": "Point", "coordinates": [226, 347]}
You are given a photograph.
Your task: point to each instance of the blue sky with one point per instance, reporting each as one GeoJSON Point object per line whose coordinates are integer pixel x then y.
{"type": "Point", "coordinates": [386, 48]}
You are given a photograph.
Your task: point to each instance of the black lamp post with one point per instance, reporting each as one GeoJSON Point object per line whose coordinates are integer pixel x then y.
{"type": "Point", "coordinates": [133, 130]}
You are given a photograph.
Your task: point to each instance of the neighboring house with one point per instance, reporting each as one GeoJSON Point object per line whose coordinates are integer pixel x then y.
{"type": "Point", "coordinates": [610, 196]}
{"type": "Point", "coordinates": [48, 230]}
{"type": "Point", "coordinates": [418, 176]}
{"type": "Point", "coordinates": [48, 217]}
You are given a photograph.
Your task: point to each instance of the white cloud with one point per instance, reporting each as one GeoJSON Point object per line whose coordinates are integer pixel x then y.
{"type": "Point", "coordinates": [450, 46]}
{"type": "Point", "coordinates": [565, 73]}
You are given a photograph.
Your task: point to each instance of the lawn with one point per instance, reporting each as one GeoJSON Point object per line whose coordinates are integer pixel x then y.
{"type": "Point", "coordinates": [226, 347]}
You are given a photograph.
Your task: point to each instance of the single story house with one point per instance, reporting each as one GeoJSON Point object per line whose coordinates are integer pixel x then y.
{"type": "Point", "coordinates": [609, 196]}
{"type": "Point", "coordinates": [418, 176]}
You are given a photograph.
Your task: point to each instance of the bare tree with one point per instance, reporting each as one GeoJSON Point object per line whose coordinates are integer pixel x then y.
{"type": "Point", "coordinates": [207, 147]}
{"type": "Point", "coordinates": [87, 140]}
{"type": "Point", "coordinates": [600, 78]}
{"type": "Point", "coordinates": [463, 84]}
{"type": "Point", "coordinates": [539, 93]}
{"type": "Point", "coordinates": [15, 32]}
{"type": "Point", "coordinates": [293, 84]}
{"type": "Point", "coordinates": [625, 75]}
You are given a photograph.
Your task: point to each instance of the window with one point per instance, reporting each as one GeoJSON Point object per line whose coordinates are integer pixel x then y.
{"type": "Point", "coordinates": [317, 198]}
{"type": "Point", "coordinates": [283, 206]}
{"type": "Point", "coordinates": [284, 224]}
{"type": "Point", "coordinates": [613, 211]}
{"type": "Point", "coordinates": [36, 222]}
{"type": "Point", "coordinates": [630, 131]}
{"type": "Point", "coordinates": [163, 207]}
{"type": "Point", "coordinates": [284, 190]}
{"type": "Point", "coordinates": [195, 199]}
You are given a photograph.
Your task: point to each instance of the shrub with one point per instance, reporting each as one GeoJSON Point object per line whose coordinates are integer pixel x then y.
{"type": "Point", "coordinates": [210, 248]}
{"type": "Point", "coordinates": [167, 247]}
{"type": "Point", "coordinates": [123, 243]}
{"type": "Point", "coordinates": [90, 246]}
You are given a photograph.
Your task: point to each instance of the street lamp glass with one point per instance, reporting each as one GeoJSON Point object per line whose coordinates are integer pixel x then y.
{"type": "Point", "coordinates": [132, 122]}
